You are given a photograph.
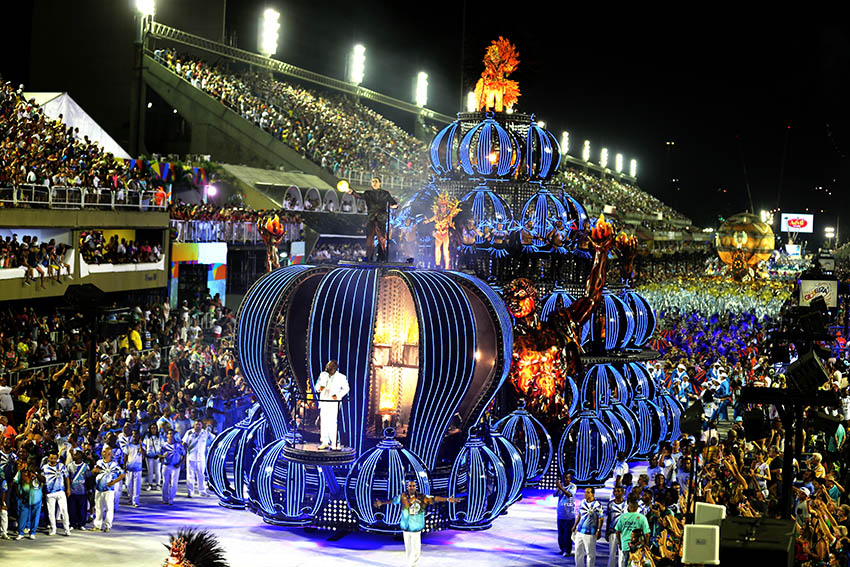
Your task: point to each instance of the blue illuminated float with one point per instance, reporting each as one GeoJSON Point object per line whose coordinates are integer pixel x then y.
{"type": "Point", "coordinates": [542, 156]}
{"type": "Point", "coordinates": [380, 473]}
{"type": "Point", "coordinates": [531, 439]}
{"type": "Point", "coordinates": [544, 209]}
{"type": "Point", "coordinates": [478, 477]}
{"type": "Point", "coordinates": [558, 299]}
{"type": "Point", "coordinates": [488, 209]}
{"type": "Point", "coordinates": [672, 411]}
{"type": "Point", "coordinates": [602, 384]}
{"type": "Point", "coordinates": [420, 349]}
{"type": "Point", "coordinates": [638, 379]}
{"type": "Point", "coordinates": [651, 425]}
{"type": "Point", "coordinates": [613, 324]}
{"type": "Point", "coordinates": [644, 317]}
{"type": "Point", "coordinates": [588, 449]}
{"type": "Point", "coordinates": [512, 459]}
{"type": "Point", "coordinates": [624, 429]}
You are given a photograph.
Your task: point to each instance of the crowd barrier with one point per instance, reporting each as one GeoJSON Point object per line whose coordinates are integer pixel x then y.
{"type": "Point", "coordinates": [40, 196]}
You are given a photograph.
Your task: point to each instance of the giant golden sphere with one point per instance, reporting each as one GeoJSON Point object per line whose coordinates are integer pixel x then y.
{"type": "Point", "coordinates": [744, 232]}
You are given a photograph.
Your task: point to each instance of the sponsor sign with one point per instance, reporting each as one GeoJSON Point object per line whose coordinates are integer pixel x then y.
{"type": "Point", "coordinates": [810, 289]}
{"type": "Point", "coordinates": [797, 222]}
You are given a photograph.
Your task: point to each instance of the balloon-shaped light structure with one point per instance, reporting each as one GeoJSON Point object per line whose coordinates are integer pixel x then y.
{"type": "Point", "coordinates": [478, 476]}
{"type": "Point", "coordinates": [588, 450]}
{"type": "Point", "coordinates": [532, 441]}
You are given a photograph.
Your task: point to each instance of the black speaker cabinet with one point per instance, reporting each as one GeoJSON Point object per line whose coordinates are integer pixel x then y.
{"type": "Point", "coordinates": [757, 541]}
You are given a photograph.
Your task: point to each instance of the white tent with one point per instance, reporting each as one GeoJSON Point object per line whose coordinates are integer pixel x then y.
{"type": "Point", "coordinates": [54, 104]}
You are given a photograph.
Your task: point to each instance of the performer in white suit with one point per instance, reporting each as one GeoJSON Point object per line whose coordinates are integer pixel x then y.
{"type": "Point", "coordinates": [331, 385]}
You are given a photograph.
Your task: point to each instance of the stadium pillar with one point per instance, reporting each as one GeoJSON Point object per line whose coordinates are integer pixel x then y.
{"type": "Point", "coordinates": [137, 91]}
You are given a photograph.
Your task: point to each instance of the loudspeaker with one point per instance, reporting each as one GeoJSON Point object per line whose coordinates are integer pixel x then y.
{"type": "Point", "coordinates": [756, 425]}
{"type": "Point", "coordinates": [701, 545]}
{"type": "Point", "coordinates": [757, 541]}
{"type": "Point", "coordinates": [691, 421]}
{"type": "Point", "coordinates": [709, 514]}
{"type": "Point", "coordinates": [807, 374]}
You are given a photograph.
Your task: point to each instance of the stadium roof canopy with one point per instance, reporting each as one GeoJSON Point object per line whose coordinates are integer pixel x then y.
{"type": "Point", "coordinates": [54, 103]}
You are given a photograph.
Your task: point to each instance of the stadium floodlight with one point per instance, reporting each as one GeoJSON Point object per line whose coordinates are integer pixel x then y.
{"type": "Point", "coordinates": [618, 163]}
{"type": "Point", "coordinates": [633, 168]}
{"type": "Point", "coordinates": [471, 102]}
{"type": "Point", "coordinates": [766, 216]}
{"type": "Point", "coordinates": [541, 124]}
{"type": "Point", "coordinates": [357, 65]}
{"type": "Point", "coordinates": [603, 158]}
{"type": "Point", "coordinates": [829, 231]}
{"type": "Point", "coordinates": [565, 142]}
{"type": "Point", "coordinates": [146, 7]}
{"type": "Point", "coordinates": [212, 190]}
{"type": "Point", "coordinates": [585, 151]}
{"type": "Point", "coordinates": [269, 31]}
{"type": "Point", "coordinates": [421, 89]}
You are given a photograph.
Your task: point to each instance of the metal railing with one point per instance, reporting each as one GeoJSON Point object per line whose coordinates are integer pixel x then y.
{"type": "Point", "coordinates": [75, 198]}
{"type": "Point", "coordinates": [161, 31]}
{"type": "Point", "coordinates": [387, 181]}
{"type": "Point", "coordinates": [222, 231]}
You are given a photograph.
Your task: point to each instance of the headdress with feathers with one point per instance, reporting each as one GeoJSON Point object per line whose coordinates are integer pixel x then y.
{"type": "Point", "coordinates": [195, 548]}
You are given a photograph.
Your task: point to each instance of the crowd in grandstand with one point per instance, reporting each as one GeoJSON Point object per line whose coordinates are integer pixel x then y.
{"type": "Point", "coordinates": [35, 149]}
{"type": "Point", "coordinates": [592, 190]}
{"type": "Point", "coordinates": [330, 252]}
{"type": "Point", "coordinates": [330, 130]}
{"type": "Point", "coordinates": [95, 249]}
{"type": "Point", "coordinates": [38, 258]}
{"type": "Point", "coordinates": [67, 448]}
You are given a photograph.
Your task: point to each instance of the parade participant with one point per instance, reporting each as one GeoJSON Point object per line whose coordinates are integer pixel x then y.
{"type": "Point", "coordinates": [529, 250]}
{"type": "Point", "coordinates": [408, 240]}
{"type": "Point", "coordinates": [629, 522]}
{"type": "Point", "coordinates": [78, 472]}
{"type": "Point", "coordinates": [498, 249]}
{"type": "Point", "coordinates": [133, 457]}
{"type": "Point", "coordinates": [616, 508]}
{"type": "Point", "coordinates": [557, 240]}
{"type": "Point", "coordinates": [4, 513]}
{"type": "Point", "coordinates": [445, 210]}
{"type": "Point", "coordinates": [28, 484]}
{"type": "Point", "coordinates": [152, 445]}
{"type": "Point", "coordinates": [195, 548]}
{"type": "Point", "coordinates": [469, 234]}
{"type": "Point", "coordinates": [107, 475]}
{"type": "Point", "coordinates": [566, 513]}
{"type": "Point", "coordinates": [173, 455]}
{"type": "Point", "coordinates": [196, 441]}
{"type": "Point", "coordinates": [58, 488]}
{"type": "Point", "coordinates": [588, 528]}
{"type": "Point", "coordinates": [378, 201]}
{"type": "Point", "coordinates": [332, 387]}
{"type": "Point", "coordinates": [413, 506]}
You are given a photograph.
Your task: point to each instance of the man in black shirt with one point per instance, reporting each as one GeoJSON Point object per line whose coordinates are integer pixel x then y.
{"type": "Point", "coordinates": [377, 202]}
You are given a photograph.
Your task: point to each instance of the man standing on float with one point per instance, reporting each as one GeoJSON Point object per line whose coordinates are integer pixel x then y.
{"type": "Point", "coordinates": [378, 201]}
{"type": "Point", "coordinates": [332, 386]}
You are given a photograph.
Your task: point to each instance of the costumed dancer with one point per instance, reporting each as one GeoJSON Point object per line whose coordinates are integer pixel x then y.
{"type": "Point", "coordinates": [332, 387]}
{"type": "Point", "coordinates": [78, 473]}
{"type": "Point", "coordinates": [498, 250]}
{"type": "Point", "coordinates": [107, 473]}
{"type": "Point", "coordinates": [272, 232]}
{"type": "Point", "coordinates": [469, 235]}
{"type": "Point", "coordinates": [173, 455]}
{"type": "Point", "coordinates": [529, 249]}
{"type": "Point", "coordinates": [445, 209]}
{"type": "Point", "coordinates": [195, 548]}
{"type": "Point", "coordinates": [413, 505]}
{"type": "Point", "coordinates": [133, 458]}
{"type": "Point", "coordinates": [378, 201]}
{"type": "Point", "coordinates": [196, 440]}
{"type": "Point", "coordinates": [557, 240]}
{"type": "Point", "coordinates": [408, 240]}
{"type": "Point", "coordinates": [58, 488]}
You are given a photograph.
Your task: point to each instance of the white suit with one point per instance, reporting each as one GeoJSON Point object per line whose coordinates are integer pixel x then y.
{"type": "Point", "coordinates": [328, 387]}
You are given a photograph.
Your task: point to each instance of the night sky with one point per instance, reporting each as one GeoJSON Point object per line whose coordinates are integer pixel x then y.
{"type": "Point", "coordinates": [725, 90]}
{"type": "Point", "coordinates": [731, 92]}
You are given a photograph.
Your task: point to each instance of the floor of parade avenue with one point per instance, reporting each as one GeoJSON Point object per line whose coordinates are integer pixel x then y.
{"type": "Point", "coordinates": [526, 536]}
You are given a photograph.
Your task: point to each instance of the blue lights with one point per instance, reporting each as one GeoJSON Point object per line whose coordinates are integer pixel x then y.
{"type": "Point", "coordinates": [544, 209]}
{"type": "Point", "coordinates": [531, 439]}
{"type": "Point", "coordinates": [542, 153]}
{"type": "Point", "coordinates": [488, 209]}
{"type": "Point", "coordinates": [638, 378]}
{"type": "Point", "coordinates": [512, 460]}
{"type": "Point", "coordinates": [588, 450]}
{"type": "Point", "coordinates": [602, 384]}
{"type": "Point", "coordinates": [478, 476]}
{"type": "Point", "coordinates": [652, 427]}
{"type": "Point", "coordinates": [672, 410]}
{"type": "Point", "coordinates": [489, 150]}
{"type": "Point", "coordinates": [380, 473]}
{"type": "Point", "coordinates": [644, 317]}
{"type": "Point", "coordinates": [624, 430]}
{"type": "Point", "coordinates": [613, 323]}
{"type": "Point", "coordinates": [443, 148]}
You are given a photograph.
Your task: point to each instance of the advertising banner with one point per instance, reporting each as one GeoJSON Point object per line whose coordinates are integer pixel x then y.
{"type": "Point", "coordinates": [796, 222]}
{"type": "Point", "coordinates": [810, 289]}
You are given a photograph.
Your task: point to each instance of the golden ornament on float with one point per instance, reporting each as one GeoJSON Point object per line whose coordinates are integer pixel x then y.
{"type": "Point", "coordinates": [744, 238]}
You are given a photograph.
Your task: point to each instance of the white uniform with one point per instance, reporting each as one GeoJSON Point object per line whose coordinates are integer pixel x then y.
{"type": "Point", "coordinates": [196, 460]}
{"type": "Point", "coordinates": [330, 386]}
{"type": "Point", "coordinates": [104, 498]}
{"type": "Point", "coordinates": [55, 484]}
